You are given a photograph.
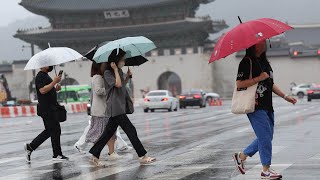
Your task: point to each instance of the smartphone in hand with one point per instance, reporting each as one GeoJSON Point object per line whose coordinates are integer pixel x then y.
{"type": "Point", "coordinates": [60, 72]}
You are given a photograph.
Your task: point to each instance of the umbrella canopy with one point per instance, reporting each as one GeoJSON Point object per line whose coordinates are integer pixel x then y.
{"type": "Point", "coordinates": [51, 57]}
{"type": "Point", "coordinates": [246, 35]}
{"type": "Point", "coordinates": [133, 61]}
{"type": "Point", "coordinates": [133, 46]}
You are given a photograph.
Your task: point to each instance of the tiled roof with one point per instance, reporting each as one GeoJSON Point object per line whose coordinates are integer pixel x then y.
{"type": "Point", "coordinates": [118, 32]}
{"type": "Point", "coordinates": [93, 4]}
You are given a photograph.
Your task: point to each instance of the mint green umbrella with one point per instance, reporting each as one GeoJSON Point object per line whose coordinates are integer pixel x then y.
{"type": "Point", "coordinates": [133, 46]}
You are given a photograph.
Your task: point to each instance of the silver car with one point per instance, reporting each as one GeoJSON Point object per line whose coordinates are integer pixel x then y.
{"type": "Point", "coordinates": [160, 99]}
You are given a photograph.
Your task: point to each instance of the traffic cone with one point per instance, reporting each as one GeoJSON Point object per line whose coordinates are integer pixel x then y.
{"type": "Point", "coordinates": [212, 102]}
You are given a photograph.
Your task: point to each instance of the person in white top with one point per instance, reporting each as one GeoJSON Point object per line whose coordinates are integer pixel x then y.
{"type": "Point", "coordinates": [98, 120]}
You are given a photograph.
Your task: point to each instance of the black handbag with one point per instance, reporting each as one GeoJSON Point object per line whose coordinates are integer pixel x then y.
{"type": "Point", "coordinates": [129, 104]}
{"type": "Point", "coordinates": [39, 112]}
{"type": "Point", "coordinates": [59, 113]}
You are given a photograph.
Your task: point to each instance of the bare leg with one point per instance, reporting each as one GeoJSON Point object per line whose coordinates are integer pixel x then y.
{"type": "Point", "coordinates": [110, 144]}
{"type": "Point", "coordinates": [265, 168]}
{"type": "Point", "coordinates": [243, 156]}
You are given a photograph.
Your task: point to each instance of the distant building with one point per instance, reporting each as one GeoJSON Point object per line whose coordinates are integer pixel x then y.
{"type": "Point", "coordinates": [179, 62]}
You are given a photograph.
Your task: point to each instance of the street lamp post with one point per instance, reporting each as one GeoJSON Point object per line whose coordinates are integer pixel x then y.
{"type": "Point", "coordinates": [33, 71]}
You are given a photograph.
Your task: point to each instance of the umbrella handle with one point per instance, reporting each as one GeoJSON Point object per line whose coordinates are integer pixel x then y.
{"type": "Point", "coordinates": [240, 20]}
{"type": "Point", "coordinates": [54, 67]}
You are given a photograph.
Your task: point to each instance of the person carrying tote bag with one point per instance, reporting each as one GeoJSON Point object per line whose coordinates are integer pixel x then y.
{"type": "Point", "coordinates": [243, 100]}
{"type": "Point", "coordinates": [253, 96]}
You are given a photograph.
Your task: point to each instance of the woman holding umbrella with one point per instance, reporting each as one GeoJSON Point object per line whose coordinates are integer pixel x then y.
{"type": "Point", "coordinates": [116, 109]}
{"type": "Point", "coordinates": [254, 85]}
{"type": "Point", "coordinates": [99, 119]}
{"type": "Point", "coordinates": [262, 119]}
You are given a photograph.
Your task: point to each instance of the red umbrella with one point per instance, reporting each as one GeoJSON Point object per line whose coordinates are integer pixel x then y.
{"type": "Point", "coordinates": [246, 35]}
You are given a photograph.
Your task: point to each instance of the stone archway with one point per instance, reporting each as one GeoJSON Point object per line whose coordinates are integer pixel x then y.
{"type": "Point", "coordinates": [69, 81]}
{"type": "Point", "coordinates": [170, 81]}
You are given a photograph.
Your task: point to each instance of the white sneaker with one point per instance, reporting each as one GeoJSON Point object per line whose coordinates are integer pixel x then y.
{"type": "Point", "coordinates": [28, 152]}
{"type": "Point", "coordinates": [125, 148]}
{"type": "Point", "coordinates": [114, 156]}
{"type": "Point", "coordinates": [60, 158]}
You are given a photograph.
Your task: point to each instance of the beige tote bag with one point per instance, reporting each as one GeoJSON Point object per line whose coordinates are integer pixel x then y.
{"type": "Point", "coordinates": [244, 100]}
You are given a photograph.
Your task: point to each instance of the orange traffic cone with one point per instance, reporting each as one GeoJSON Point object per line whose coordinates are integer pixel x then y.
{"type": "Point", "coordinates": [212, 102]}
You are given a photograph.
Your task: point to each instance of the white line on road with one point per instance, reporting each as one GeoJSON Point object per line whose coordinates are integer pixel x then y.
{"type": "Point", "coordinates": [243, 130]}
{"type": "Point", "coordinates": [6, 160]}
{"type": "Point", "coordinates": [316, 157]}
{"type": "Point", "coordinates": [180, 172]}
{"type": "Point", "coordinates": [152, 119]}
{"type": "Point", "coordinates": [25, 174]}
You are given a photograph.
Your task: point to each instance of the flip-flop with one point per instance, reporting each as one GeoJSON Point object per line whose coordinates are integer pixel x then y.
{"type": "Point", "coordinates": [147, 160]}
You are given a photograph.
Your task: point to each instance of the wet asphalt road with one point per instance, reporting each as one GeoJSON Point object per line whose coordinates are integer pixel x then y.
{"type": "Point", "coordinates": [191, 144]}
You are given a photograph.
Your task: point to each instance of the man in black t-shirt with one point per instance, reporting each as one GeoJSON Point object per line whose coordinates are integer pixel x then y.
{"type": "Point", "coordinates": [47, 98]}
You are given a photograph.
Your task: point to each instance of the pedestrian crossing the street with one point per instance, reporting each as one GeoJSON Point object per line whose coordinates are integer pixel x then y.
{"type": "Point", "coordinates": [187, 145]}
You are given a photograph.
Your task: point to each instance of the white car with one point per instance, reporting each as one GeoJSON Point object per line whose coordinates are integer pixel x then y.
{"type": "Point", "coordinates": [160, 99]}
{"type": "Point", "coordinates": [211, 96]}
{"type": "Point", "coordinates": [300, 90]}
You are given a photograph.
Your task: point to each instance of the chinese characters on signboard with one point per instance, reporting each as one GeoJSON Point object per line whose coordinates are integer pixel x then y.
{"type": "Point", "coordinates": [116, 14]}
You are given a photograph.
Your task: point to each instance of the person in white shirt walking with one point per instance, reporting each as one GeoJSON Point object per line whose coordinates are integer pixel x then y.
{"type": "Point", "coordinates": [98, 120]}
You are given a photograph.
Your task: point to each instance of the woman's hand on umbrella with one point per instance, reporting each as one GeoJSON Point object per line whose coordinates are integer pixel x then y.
{"type": "Point", "coordinates": [291, 99]}
{"type": "Point", "coordinates": [129, 73]}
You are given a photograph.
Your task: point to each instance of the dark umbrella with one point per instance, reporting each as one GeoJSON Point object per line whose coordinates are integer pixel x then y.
{"type": "Point", "coordinates": [133, 61]}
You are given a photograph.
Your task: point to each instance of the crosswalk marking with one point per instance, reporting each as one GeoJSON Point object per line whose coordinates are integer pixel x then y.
{"type": "Point", "coordinates": [243, 130]}
{"type": "Point", "coordinates": [6, 160]}
{"type": "Point", "coordinates": [177, 165]}
{"type": "Point", "coordinates": [180, 172]}
{"type": "Point", "coordinates": [316, 157]}
{"type": "Point", "coordinates": [25, 174]}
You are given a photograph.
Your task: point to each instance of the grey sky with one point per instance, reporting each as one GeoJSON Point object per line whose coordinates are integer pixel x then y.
{"type": "Point", "coordinates": [11, 12]}
{"type": "Point", "coordinates": [294, 11]}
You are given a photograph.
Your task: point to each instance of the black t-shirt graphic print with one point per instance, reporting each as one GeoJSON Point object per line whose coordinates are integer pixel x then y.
{"type": "Point", "coordinates": [264, 90]}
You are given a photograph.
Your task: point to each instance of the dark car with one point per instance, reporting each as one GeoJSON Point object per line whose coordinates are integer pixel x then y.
{"type": "Point", "coordinates": [192, 98]}
{"type": "Point", "coordinates": [314, 93]}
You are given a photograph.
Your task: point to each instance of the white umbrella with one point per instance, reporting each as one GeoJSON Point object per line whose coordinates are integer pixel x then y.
{"type": "Point", "coordinates": [51, 57]}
